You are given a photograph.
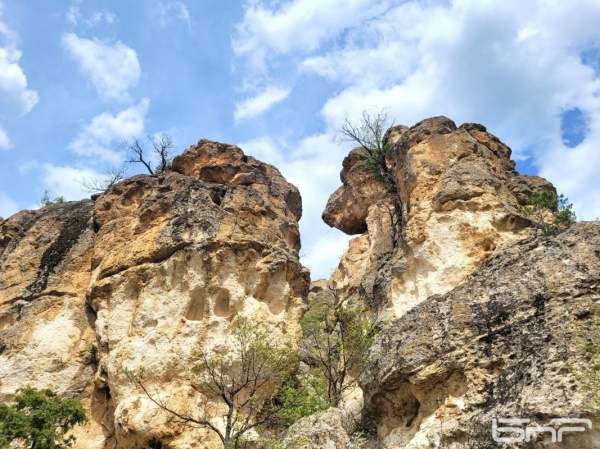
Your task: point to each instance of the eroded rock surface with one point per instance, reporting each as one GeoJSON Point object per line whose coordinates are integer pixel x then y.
{"type": "Point", "coordinates": [479, 316]}
{"type": "Point", "coordinates": [455, 202]}
{"type": "Point", "coordinates": [141, 278]}
{"type": "Point", "coordinates": [510, 341]}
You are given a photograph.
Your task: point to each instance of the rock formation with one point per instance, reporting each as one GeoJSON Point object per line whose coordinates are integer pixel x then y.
{"type": "Point", "coordinates": [480, 318]}
{"type": "Point", "coordinates": [141, 277]}
{"type": "Point", "coordinates": [479, 315]}
{"type": "Point", "coordinates": [455, 202]}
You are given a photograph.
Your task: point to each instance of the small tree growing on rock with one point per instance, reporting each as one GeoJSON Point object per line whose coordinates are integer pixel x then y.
{"type": "Point", "coordinates": [162, 152]}
{"type": "Point", "coordinates": [549, 211]}
{"type": "Point", "coordinates": [336, 340]}
{"type": "Point", "coordinates": [370, 135]}
{"type": "Point", "coordinates": [47, 200]}
{"type": "Point", "coordinates": [39, 420]}
{"type": "Point", "coordinates": [106, 182]}
{"type": "Point", "coordinates": [244, 383]}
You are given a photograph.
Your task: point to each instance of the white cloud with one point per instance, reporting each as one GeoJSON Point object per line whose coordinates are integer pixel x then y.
{"type": "Point", "coordinates": [511, 68]}
{"type": "Point", "coordinates": [312, 165]}
{"type": "Point", "coordinates": [105, 131]}
{"type": "Point", "coordinates": [113, 69]}
{"type": "Point", "coordinates": [16, 99]}
{"type": "Point", "coordinates": [67, 181]}
{"type": "Point", "coordinates": [299, 25]}
{"type": "Point", "coordinates": [7, 205]}
{"type": "Point", "coordinates": [73, 15]}
{"type": "Point", "coordinates": [168, 11]}
{"type": "Point", "coordinates": [251, 107]}
{"type": "Point", "coordinates": [5, 142]}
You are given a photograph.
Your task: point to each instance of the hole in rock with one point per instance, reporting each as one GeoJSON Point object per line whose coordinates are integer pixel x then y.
{"type": "Point", "coordinates": [222, 299]}
{"type": "Point", "coordinates": [154, 444]}
{"type": "Point", "coordinates": [196, 309]}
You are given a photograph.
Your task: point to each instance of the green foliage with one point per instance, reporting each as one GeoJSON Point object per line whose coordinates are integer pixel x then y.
{"type": "Point", "coordinates": [302, 396]}
{"type": "Point", "coordinates": [336, 340]}
{"type": "Point", "coordinates": [40, 420]}
{"type": "Point", "coordinates": [370, 135]}
{"type": "Point", "coordinates": [47, 200]}
{"type": "Point", "coordinates": [550, 212]}
{"type": "Point", "coordinates": [244, 380]}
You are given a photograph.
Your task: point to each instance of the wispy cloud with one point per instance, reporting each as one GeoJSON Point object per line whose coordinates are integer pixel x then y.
{"type": "Point", "coordinates": [8, 206]}
{"type": "Point", "coordinates": [253, 106]}
{"type": "Point", "coordinates": [112, 68]}
{"type": "Point", "coordinates": [174, 10]}
{"type": "Point", "coordinates": [5, 142]}
{"type": "Point", "coordinates": [75, 17]}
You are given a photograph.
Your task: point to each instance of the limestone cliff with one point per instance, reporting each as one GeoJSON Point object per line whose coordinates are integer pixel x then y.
{"type": "Point", "coordinates": [141, 277]}
{"type": "Point", "coordinates": [479, 315]}
{"type": "Point", "coordinates": [455, 203]}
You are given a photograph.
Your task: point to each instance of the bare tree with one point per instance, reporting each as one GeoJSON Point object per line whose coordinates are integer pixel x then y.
{"type": "Point", "coordinates": [106, 182]}
{"type": "Point", "coordinates": [336, 340]}
{"type": "Point", "coordinates": [244, 384]}
{"type": "Point", "coordinates": [369, 134]}
{"type": "Point", "coordinates": [162, 149]}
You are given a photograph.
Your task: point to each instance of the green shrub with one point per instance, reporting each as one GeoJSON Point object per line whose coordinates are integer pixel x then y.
{"type": "Point", "coordinates": [40, 420]}
{"type": "Point", "coordinates": [336, 341]}
{"type": "Point", "coordinates": [369, 134]}
{"type": "Point", "coordinates": [549, 212]}
{"type": "Point", "coordinates": [303, 396]}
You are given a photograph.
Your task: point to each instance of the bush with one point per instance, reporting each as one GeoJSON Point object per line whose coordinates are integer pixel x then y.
{"type": "Point", "coordinates": [549, 212]}
{"type": "Point", "coordinates": [369, 134]}
{"type": "Point", "coordinates": [336, 341]}
{"type": "Point", "coordinates": [40, 420]}
{"type": "Point", "coordinates": [302, 396]}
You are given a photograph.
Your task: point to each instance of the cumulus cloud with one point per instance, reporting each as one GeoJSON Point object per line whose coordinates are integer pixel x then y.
{"type": "Point", "coordinates": [112, 68]}
{"type": "Point", "coordinates": [7, 205]}
{"type": "Point", "coordinates": [514, 69]}
{"type": "Point", "coordinates": [313, 165]}
{"type": "Point", "coordinates": [106, 131]}
{"type": "Point", "coordinates": [299, 25]}
{"type": "Point", "coordinates": [251, 107]}
{"type": "Point", "coordinates": [68, 181]}
{"type": "Point", "coordinates": [16, 99]}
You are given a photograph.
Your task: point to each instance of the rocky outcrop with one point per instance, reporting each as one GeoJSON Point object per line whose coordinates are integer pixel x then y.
{"type": "Point", "coordinates": [141, 278]}
{"type": "Point", "coordinates": [510, 341]}
{"type": "Point", "coordinates": [455, 201]}
{"type": "Point", "coordinates": [479, 317]}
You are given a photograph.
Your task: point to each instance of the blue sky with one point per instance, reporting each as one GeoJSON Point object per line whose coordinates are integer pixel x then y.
{"type": "Point", "coordinates": [279, 77]}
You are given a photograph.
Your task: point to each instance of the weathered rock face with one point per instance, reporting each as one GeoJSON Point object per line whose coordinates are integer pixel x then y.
{"type": "Point", "coordinates": [480, 318]}
{"type": "Point", "coordinates": [142, 277]}
{"type": "Point", "coordinates": [455, 202]}
{"type": "Point", "coordinates": [510, 341]}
